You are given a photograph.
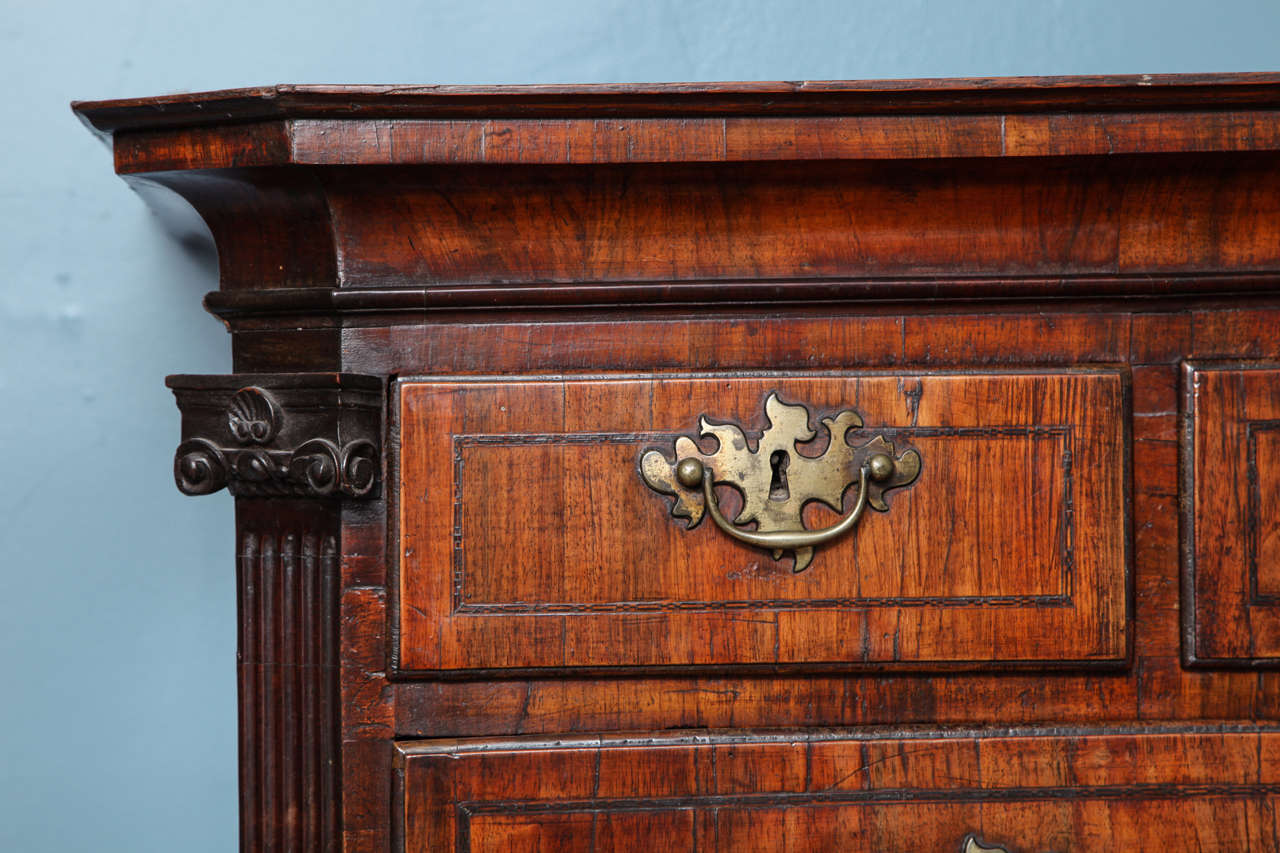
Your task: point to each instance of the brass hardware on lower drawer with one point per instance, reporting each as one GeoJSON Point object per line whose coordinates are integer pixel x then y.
{"type": "Point", "coordinates": [973, 845]}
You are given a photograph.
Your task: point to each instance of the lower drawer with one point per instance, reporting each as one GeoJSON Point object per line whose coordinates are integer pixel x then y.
{"type": "Point", "coordinates": [1152, 788]}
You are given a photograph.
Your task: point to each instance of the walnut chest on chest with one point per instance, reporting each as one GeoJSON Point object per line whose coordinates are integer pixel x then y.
{"type": "Point", "coordinates": [838, 466]}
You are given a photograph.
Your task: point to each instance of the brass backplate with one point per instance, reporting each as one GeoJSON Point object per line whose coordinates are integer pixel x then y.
{"type": "Point", "coordinates": [776, 480]}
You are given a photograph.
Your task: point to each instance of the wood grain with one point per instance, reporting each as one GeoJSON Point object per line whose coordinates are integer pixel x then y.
{"type": "Point", "coordinates": [763, 220]}
{"type": "Point", "coordinates": [529, 541]}
{"type": "Point", "coordinates": [977, 117]}
{"type": "Point", "coordinates": [1145, 789]}
{"type": "Point", "coordinates": [856, 227]}
{"type": "Point", "coordinates": [502, 240]}
{"type": "Point", "coordinates": [1231, 450]}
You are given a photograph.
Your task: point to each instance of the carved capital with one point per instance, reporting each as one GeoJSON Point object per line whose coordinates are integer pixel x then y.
{"type": "Point", "coordinates": [280, 434]}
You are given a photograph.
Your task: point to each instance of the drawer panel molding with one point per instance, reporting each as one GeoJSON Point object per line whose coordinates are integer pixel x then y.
{"type": "Point", "coordinates": [1141, 788]}
{"type": "Point", "coordinates": [528, 542]}
{"type": "Point", "coordinates": [1230, 457]}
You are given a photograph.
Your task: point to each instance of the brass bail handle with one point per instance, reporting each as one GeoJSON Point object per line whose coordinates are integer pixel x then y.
{"type": "Point", "coordinates": [777, 478]}
{"type": "Point", "coordinates": [690, 472]}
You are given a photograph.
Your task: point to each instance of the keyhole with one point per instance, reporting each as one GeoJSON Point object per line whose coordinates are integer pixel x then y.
{"type": "Point", "coordinates": [778, 490]}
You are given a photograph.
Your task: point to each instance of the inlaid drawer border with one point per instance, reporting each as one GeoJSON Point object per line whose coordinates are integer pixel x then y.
{"type": "Point", "coordinates": [1064, 432]}
{"type": "Point", "coordinates": [398, 672]}
{"type": "Point", "coordinates": [1234, 598]}
{"type": "Point", "coordinates": [824, 768]}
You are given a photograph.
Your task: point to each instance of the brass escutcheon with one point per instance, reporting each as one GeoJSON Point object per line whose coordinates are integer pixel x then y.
{"type": "Point", "coordinates": [776, 480]}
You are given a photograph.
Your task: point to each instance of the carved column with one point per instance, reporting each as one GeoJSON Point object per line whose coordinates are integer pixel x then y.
{"type": "Point", "coordinates": [291, 448]}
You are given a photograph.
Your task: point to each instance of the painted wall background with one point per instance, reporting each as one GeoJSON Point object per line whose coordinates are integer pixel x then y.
{"type": "Point", "coordinates": [117, 631]}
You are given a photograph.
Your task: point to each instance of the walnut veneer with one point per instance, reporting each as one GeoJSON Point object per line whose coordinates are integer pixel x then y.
{"type": "Point", "coordinates": [471, 617]}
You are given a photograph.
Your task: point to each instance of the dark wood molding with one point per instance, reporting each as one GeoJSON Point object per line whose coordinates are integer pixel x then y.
{"type": "Point", "coordinates": [1226, 622]}
{"type": "Point", "coordinates": [409, 304]}
{"type": "Point", "coordinates": [279, 435]}
{"type": "Point", "coordinates": [287, 568]}
{"type": "Point", "coordinates": [875, 97]}
{"type": "Point", "coordinates": [295, 449]}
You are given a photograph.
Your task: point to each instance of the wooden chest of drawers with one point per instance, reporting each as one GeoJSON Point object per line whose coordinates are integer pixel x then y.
{"type": "Point", "coordinates": [884, 466]}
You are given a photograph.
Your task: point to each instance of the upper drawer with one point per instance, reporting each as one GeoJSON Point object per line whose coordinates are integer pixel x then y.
{"type": "Point", "coordinates": [529, 537]}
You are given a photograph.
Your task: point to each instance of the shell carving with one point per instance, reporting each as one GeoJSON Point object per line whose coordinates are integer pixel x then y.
{"type": "Point", "coordinates": [253, 416]}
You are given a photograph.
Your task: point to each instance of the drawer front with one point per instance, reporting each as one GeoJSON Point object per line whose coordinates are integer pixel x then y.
{"type": "Point", "coordinates": [530, 539]}
{"type": "Point", "coordinates": [1142, 790]}
{"type": "Point", "coordinates": [1231, 541]}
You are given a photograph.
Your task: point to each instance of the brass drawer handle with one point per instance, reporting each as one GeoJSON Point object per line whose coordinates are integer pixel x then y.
{"type": "Point", "coordinates": [778, 540]}
{"type": "Point", "coordinates": [776, 480]}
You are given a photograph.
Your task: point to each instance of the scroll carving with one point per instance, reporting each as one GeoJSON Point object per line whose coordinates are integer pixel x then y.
{"type": "Point", "coordinates": [279, 435]}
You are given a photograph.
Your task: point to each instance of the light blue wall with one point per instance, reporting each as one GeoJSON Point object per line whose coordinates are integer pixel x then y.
{"type": "Point", "coordinates": [117, 710]}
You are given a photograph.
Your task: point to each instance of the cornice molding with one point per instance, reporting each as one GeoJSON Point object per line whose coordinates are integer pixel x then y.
{"type": "Point", "coordinates": [814, 97]}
